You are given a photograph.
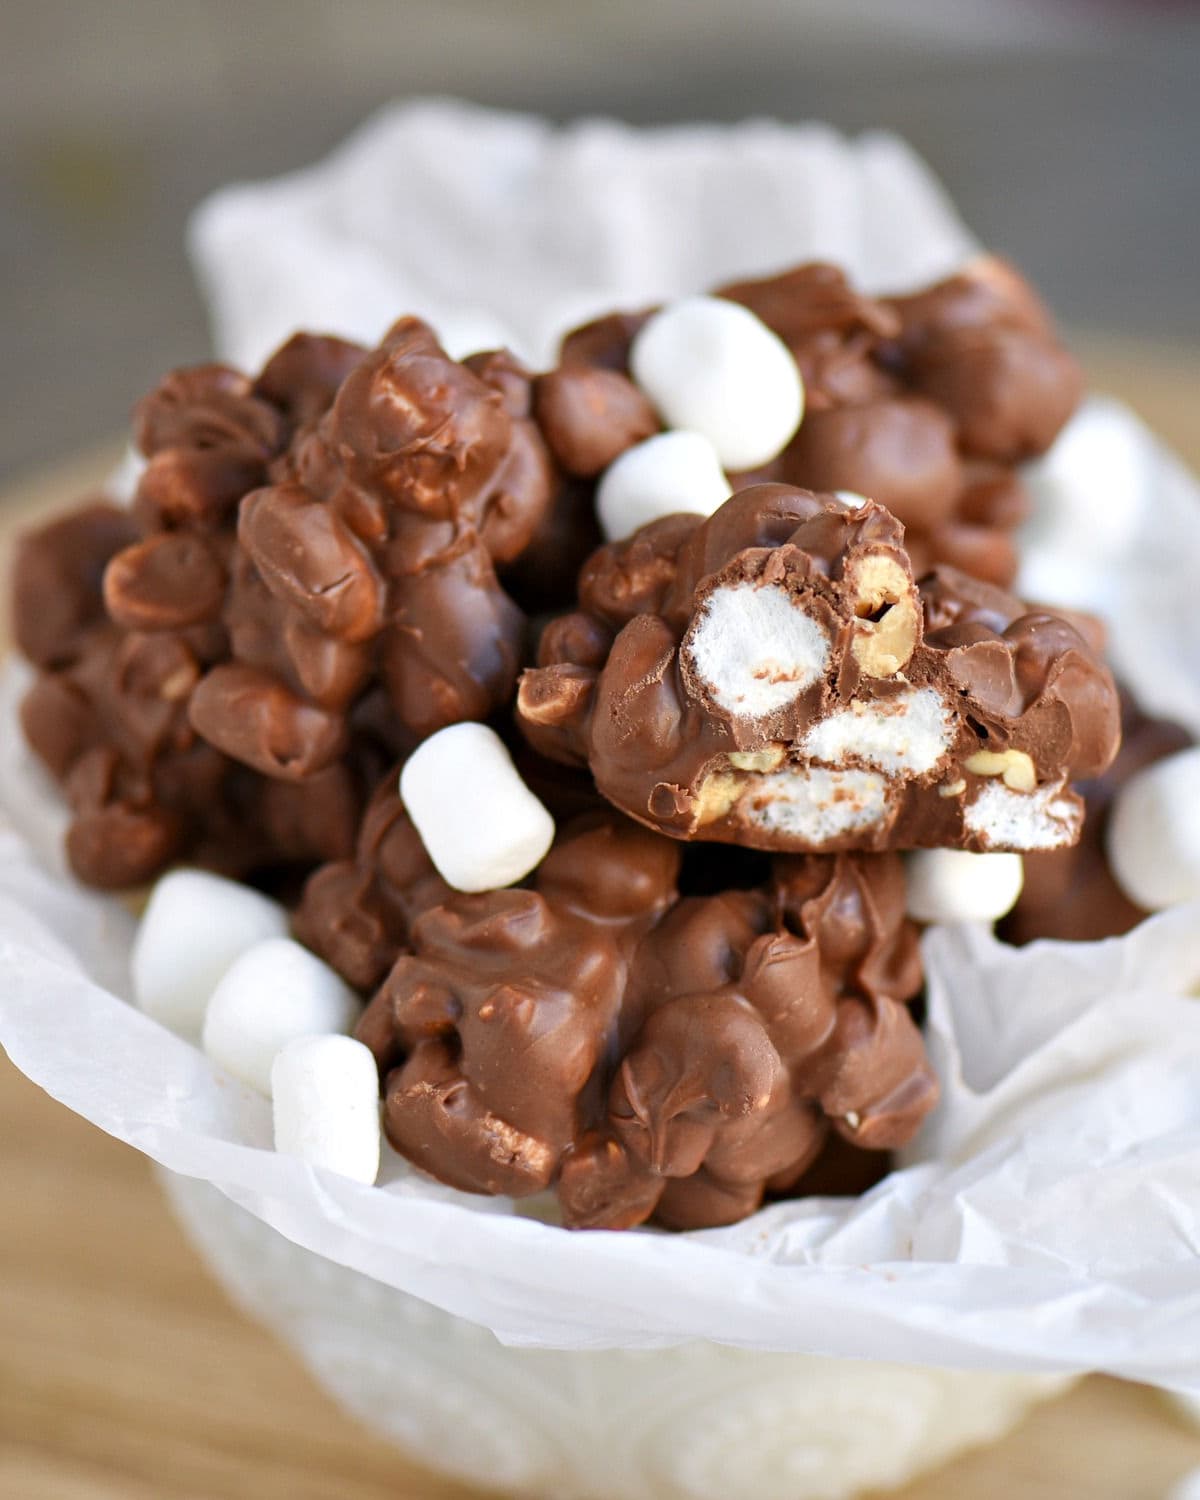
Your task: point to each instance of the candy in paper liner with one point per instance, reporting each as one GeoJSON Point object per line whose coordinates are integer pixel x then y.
{"type": "Point", "coordinates": [1047, 1220]}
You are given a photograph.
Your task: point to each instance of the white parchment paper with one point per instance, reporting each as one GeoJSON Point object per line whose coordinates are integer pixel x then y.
{"type": "Point", "coordinates": [1050, 1219]}
{"type": "Point", "coordinates": [502, 228]}
{"type": "Point", "coordinates": [1050, 1214]}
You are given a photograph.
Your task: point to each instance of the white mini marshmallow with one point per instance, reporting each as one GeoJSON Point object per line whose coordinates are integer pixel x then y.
{"type": "Point", "coordinates": [906, 733]}
{"type": "Point", "coordinates": [273, 994]}
{"type": "Point", "coordinates": [1090, 497]}
{"type": "Point", "coordinates": [480, 824]}
{"type": "Point", "coordinates": [711, 366]}
{"type": "Point", "coordinates": [325, 1101]}
{"type": "Point", "coordinates": [954, 885]}
{"type": "Point", "coordinates": [666, 474]}
{"type": "Point", "coordinates": [194, 927]}
{"type": "Point", "coordinates": [1154, 833]}
{"type": "Point", "coordinates": [1065, 580]}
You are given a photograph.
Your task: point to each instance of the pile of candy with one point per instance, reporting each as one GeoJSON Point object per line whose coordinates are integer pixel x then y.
{"type": "Point", "coordinates": [577, 722]}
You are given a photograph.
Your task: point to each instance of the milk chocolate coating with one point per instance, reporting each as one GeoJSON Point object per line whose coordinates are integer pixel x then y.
{"type": "Point", "coordinates": [494, 1035]}
{"type": "Point", "coordinates": [827, 325]}
{"type": "Point", "coordinates": [57, 580]}
{"type": "Point", "coordinates": [898, 450]}
{"type": "Point", "coordinates": [123, 612]}
{"type": "Point", "coordinates": [952, 717]}
{"type": "Point", "coordinates": [538, 569]}
{"type": "Point", "coordinates": [145, 790]}
{"type": "Point", "coordinates": [519, 1038]}
{"type": "Point", "coordinates": [373, 559]}
{"type": "Point", "coordinates": [208, 438]}
{"type": "Point", "coordinates": [981, 345]}
{"type": "Point", "coordinates": [167, 582]}
{"type": "Point", "coordinates": [303, 376]}
{"type": "Point", "coordinates": [1071, 894]}
{"type": "Point", "coordinates": [357, 913]}
{"type": "Point", "coordinates": [590, 415]}
{"type": "Point", "coordinates": [543, 579]}
{"type": "Point", "coordinates": [771, 1017]}
{"type": "Point", "coordinates": [604, 342]}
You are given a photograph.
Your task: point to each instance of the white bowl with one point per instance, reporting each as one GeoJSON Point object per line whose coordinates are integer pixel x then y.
{"type": "Point", "coordinates": [695, 1422]}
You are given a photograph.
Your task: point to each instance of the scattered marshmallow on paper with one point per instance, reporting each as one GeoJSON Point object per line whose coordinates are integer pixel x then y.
{"type": "Point", "coordinates": [325, 1105]}
{"type": "Point", "coordinates": [1154, 835]}
{"type": "Point", "coordinates": [274, 993]}
{"type": "Point", "coordinates": [955, 885]}
{"type": "Point", "coordinates": [194, 927]}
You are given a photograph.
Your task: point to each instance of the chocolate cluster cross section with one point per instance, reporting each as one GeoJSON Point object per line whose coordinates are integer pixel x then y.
{"type": "Point", "coordinates": [1073, 894]}
{"type": "Point", "coordinates": [775, 677]}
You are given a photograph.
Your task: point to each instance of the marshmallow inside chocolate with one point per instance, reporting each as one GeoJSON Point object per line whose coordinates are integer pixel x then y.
{"type": "Point", "coordinates": [1041, 818]}
{"type": "Point", "coordinates": [779, 680]}
{"type": "Point", "coordinates": [906, 734]}
{"type": "Point", "coordinates": [754, 651]}
{"type": "Point", "coordinates": [811, 806]}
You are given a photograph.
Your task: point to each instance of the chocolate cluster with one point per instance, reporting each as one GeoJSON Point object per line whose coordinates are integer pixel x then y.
{"type": "Point", "coordinates": [509, 1026]}
{"type": "Point", "coordinates": [775, 677]}
{"type": "Point", "coordinates": [325, 566]}
{"type": "Point", "coordinates": [369, 564]}
{"type": "Point", "coordinates": [925, 403]}
{"type": "Point", "coordinates": [305, 585]}
{"type": "Point", "coordinates": [641, 1054]}
{"type": "Point", "coordinates": [123, 612]}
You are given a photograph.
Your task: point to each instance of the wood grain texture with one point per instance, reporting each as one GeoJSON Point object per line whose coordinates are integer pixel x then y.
{"type": "Point", "coordinates": [126, 1375]}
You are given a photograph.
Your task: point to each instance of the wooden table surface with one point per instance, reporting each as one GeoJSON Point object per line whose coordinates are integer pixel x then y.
{"type": "Point", "coordinates": [126, 1375]}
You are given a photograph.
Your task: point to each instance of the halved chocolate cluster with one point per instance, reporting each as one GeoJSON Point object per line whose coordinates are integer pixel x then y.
{"type": "Point", "coordinates": [775, 677]}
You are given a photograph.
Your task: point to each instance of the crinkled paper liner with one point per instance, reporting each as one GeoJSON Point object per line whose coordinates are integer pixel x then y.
{"type": "Point", "coordinates": [501, 228]}
{"type": "Point", "coordinates": [1049, 1217]}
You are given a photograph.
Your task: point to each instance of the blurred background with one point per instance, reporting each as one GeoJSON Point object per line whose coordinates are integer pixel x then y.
{"type": "Point", "coordinates": [1068, 132]}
